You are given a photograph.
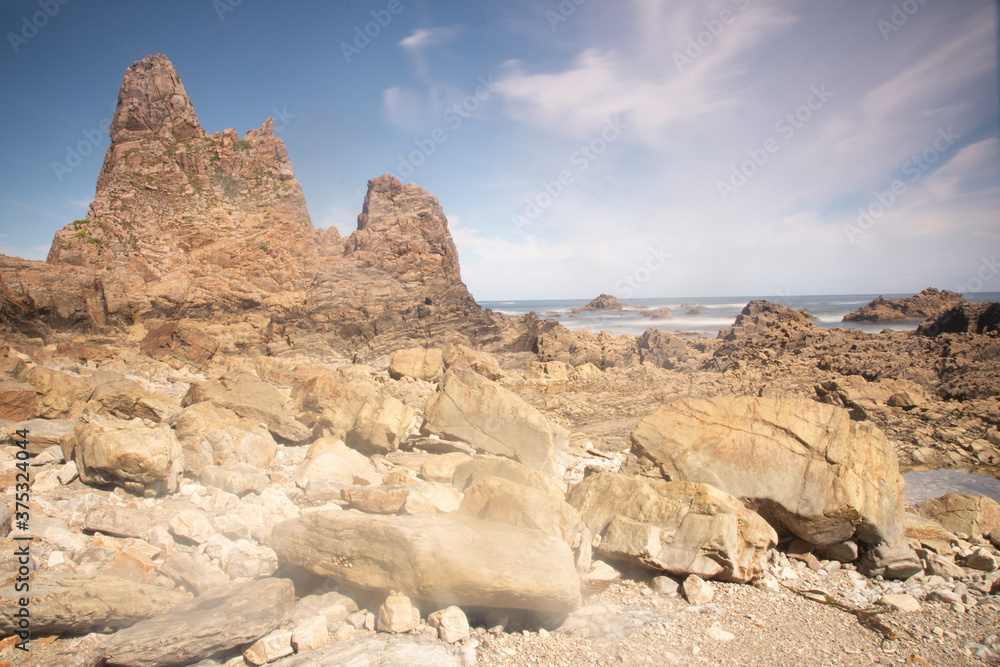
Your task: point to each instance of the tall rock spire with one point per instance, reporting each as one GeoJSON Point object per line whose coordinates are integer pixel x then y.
{"type": "Point", "coordinates": [152, 100]}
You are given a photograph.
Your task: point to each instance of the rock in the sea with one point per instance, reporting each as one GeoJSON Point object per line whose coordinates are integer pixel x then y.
{"type": "Point", "coordinates": [804, 465]}
{"type": "Point", "coordinates": [928, 303]}
{"type": "Point", "coordinates": [675, 527]}
{"type": "Point", "coordinates": [973, 318]}
{"type": "Point", "coordinates": [79, 604]}
{"type": "Point", "coordinates": [492, 419]}
{"type": "Point", "coordinates": [963, 513]}
{"type": "Point", "coordinates": [421, 363]}
{"type": "Point", "coordinates": [127, 453]}
{"type": "Point", "coordinates": [223, 618]}
{"type": "Point", "coordinates": [434, 557]}
{"type": "Point", "coordinates": [605, 302]}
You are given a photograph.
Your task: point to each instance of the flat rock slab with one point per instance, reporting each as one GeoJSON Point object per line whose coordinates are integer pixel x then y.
{"type": "Point", "coordinates": [384, 652]}
{"type": "Point", "coordinates": [80, 604]}
{"type": "Point", "coordinates": [436, 558]}
{"type": "Point", "coordinates": [223, 618]}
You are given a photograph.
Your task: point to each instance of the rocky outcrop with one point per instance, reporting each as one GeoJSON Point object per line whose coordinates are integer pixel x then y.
{"type": "Point", "coordinates": [928, 303]}
{"type": "Point", "coordinates": [804, 466]}
{"type": "Point", "coordinates": [676, 527]}
{"type": "Point", "coordinates": [605, 302]}
{"type": "Point", "coordinates": [435, 558]}
{"type": "Point", "coordinates": [963, 513]}
{"type": "Point", "coordinates": [972, 318]}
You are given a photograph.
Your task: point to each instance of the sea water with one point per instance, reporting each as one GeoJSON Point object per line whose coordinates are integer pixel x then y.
{"type": "Point", "coordinates": [711, 314]}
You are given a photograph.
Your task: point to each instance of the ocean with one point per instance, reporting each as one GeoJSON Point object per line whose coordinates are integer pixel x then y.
{"type": "Point", "coordinates": [712, 313]}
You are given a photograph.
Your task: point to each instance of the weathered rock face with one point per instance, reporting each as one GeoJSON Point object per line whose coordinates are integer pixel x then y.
{"type": "Point", "coordinates": [804, 465]}
{"type": "Point", "coordinates": [675, 527]}
{"type": "Point", "coordinates": [435, 558]}
{"type": "Point", "coordinates": [928, 303]}
{"type": "Point", "coordinates": [495, 420]}
{"type": "Point", "coordinates": [963, 513]}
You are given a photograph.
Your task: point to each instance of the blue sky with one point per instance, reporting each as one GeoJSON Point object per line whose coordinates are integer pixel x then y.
{"type": "Point", "coordinates": [646, 148]}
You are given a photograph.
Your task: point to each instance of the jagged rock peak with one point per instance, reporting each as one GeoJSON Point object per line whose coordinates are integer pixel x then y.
{"type": "Point", "coordinates": [152, 100]}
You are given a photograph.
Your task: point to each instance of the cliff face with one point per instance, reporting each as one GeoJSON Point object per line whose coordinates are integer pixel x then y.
{"type": "Point", "coordinates": [214, 227]}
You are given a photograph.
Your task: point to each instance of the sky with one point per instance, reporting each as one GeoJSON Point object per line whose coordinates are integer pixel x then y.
{"type": "Point", "coordinates": [644, 148]}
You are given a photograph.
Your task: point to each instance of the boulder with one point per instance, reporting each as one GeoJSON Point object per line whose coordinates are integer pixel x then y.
{"type": "Point", "coordinates": [421, 363]}
{"type": "Point", "coordinates": [43, 433]}
{"type": "Point", "coordinates": [17, 401]}
{"type": "Point", "coordinates": [331, 406]}
{"type": "Point", "coordinates": [451, 623]}
{"type": "Point", "coordinates": [236, 478]}
{"type": "Point", "coordinates": [59, 395]}
{"type": "Point", "coordinates": [484, 363]}
{"type": "Point", "coordinates": [675, 527]}
{"type": "Point", "coordinates": [805, 466]}
{"type": "Point", "coordinates": [503, 501]}
{"type": "Point", "coordinates": [119, 521]}
{"type": "Point", "coordinates": [223, 618]}
{"type": "Point", "coordinates": [556, 371]}
{"type": "Point", "coordinates": [129, 453]}
{"type": "Point", "coordinates": [469, 473]}
{"type": "Point", "coordinates": [890, 562]}
{"type": "Point", "coordinates": [331, 459]}
{"type": "Point", "coordinates": [397, 615]}
{"type": "Point", "coordinates": [442, 468]}
{"type": "Point", "coordinates": [210, 435]}
{"type": "Point", "coordinates": [116, 396]}
{"type": "Point", "coordinates": [249, 397]}
{"type": "Point", "coordinates": [963, 513]}
{"type": "Point", "coordinates": [79, 604]}
{"type": "Point", "coordinates": [495, 420]}
{"type": "Point", "coordinates": [378, 428]}
{"type": "Point", "coordinates": [435, 558]}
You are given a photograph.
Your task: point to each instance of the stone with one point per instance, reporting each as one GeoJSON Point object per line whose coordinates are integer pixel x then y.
{"type": "Point", "coordinates": [941, 566]}
{"type": "Point", "coordinates": [192, 525]}
{"type": "Point", "coordinates": [275, 644]}
{"type": "Point", "coordinates": [397, 615]}
{"type": "Point", "coordinates": [556, 371]}
{"type": "Point", "coordinates": [331, 459]}
{"type": "Point", "coordinates": [192, 575]}
{"type": "Point", "coordinates": [417, 362]}
{"type": "Point", "coordinates": [484, 363]}
{"type": "Point", "coordinates": [963, 513]}
{"type": "Point", "coordinates": [210, 435]}
{"type": "Point", "coordinates": [805, 465]}
{"type": "Point", "coordinates": [129, 454]}
{"type": "Point", "coordinates": [928, 303]}
{"type": "Point", "coordinates": [697, 591]}
{"type": "Point", "coordinates": [377, 499]}
{"type": "Point", "coordinates": [332, 406]}
{"type": "Point", "coordinates": [67, 473]}
{"type": "Point", "coordinates": [928, 532]}
{"type": "Point", "coordinates": [120, 521]}
{"type": "Point", "coordinates": [503, 501]}
{"type": "Point", "coordinates": [78, 604]}
{"type": "Point", "coordinates": [492, 419]}
{"type": "Point", "coordinates": [44, 433]}
{"type": "Point", "coordinates": [252, 399]}
{"type": "Point", "coordinates": [843, 552]}
{"type": "Point", "coordinates": [715, 633]}
{"type": "Point", "coordinates": [334, 606]}
{"type": "Point", "coordinates": [59, 395]}
{"type": "Point", "coordinates": [676, 527]}
{"type": "Point", "coordinates": [982, 560]}
{"type": "Point", "coordinates": [605, 302]}
{"type": "Point", "coordinates": [451, 623]}
{"type": "Point", "coordinates": [223, 618]}
{"type": "Point", "coordinates": [902, 602]}
{"type": "Point", "coordinates": [441, 468]}
{"type": "Point", "coordinates": [890, 562]}
{"type": "Point", "coordinates": [236, 478]}
{"type": "Point", "coordinates": [459, 561]}
{"type": "Point", "coordinates": [17, 401]}
{"type": "Point", "coordinates": [664, 585]}
{"type": "Point", "coordinates": [470, 473]}
{"type": "Point", "coordinates": [378, 429]}
{"type": "Point", "coordinates": [311, 633]}
{"type": "Point", "coordinates": [432, 499]}
{"type": "Point", "coordinates": [385, 651]}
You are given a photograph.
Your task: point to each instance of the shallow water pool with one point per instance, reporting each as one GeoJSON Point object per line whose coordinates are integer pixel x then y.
{"type": "Point", "coordinates": [921, 485]}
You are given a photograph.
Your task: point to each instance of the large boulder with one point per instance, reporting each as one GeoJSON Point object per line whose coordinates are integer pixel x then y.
{"type": "Point", "coordinates": [379, 427]}
{"type": "Point", "coordinates": [80, 604]}
{"type": "Point", "coordinates": [803, 465]}
{"type": "Point", "coordinates": [484, 363]}
{"type": "Point", "coordinates": [495, 420]}
{"type": "Point", "coordinates": [17, 401]}
{"type": "Point", "coordinates": [117, 396]}
{"type": "Point", "coordinates": [471, 472]}
{"type": "Point", "coordinates": [676, 527]}
{"type": "Point", "coordinates": [211, 435]}
{"type": "Point", "coordinates": [963, 513]}
{"type": "Point", "coordinates": [220, 619]}
{"type": "Point", "coordinates": [127, 453]}
{"type": "Point", "coordinates": [59, 395]}
{"type": "Point", "coordinates": [330, 459]}
{"type": "Point", "coordinates": [435, 558]}
{"type": "Point", "coordinates": [248, 397]}
{"type": "Point", "coordinates": [421, 363]}
{"type": "Point", "coordinates": [503, 501]}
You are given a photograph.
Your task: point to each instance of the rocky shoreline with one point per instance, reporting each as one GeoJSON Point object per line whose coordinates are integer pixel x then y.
{"type": "Point", "coordinates": [348, 461]}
